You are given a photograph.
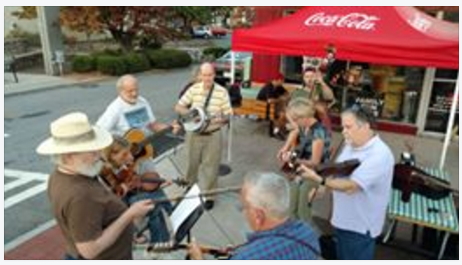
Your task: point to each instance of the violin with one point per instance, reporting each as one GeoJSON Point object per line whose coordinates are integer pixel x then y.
{"type": "Point", "coordinates": [341, 169]}
{"type": "Point", "coordinates": [218, 253]}
{"type": "Point", "coordinates": [125, 180]}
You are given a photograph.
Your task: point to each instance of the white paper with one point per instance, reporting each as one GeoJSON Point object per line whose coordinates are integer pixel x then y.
{"type": "Point", "coordinates": [185, 208]}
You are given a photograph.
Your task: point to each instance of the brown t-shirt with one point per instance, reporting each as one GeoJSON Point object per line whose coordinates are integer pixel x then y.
{"type": "Point", "coordinates": [83, 208]}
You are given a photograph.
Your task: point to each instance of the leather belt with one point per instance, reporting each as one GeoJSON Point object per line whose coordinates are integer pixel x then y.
{"type": "Point", "coordinates": [209, 133]}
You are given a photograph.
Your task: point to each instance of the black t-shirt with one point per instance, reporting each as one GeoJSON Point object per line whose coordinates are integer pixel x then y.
{"type": "Point", "coordinates": [269, 91]}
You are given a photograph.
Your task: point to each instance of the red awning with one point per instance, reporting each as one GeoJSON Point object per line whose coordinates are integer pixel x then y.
{"type": "Point", "coordinates": [384, 35]}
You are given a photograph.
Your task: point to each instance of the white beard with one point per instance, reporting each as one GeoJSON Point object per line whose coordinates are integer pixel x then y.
{"type": "Point", "coordinates": [90, 171]}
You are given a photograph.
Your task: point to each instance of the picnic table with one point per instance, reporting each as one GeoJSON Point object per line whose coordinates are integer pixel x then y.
{"type": "Point", "coordinates": [424, 212]}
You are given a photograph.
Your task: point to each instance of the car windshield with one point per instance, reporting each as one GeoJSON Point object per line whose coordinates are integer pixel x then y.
{"type": "Point", "coordinates": [237, 55]}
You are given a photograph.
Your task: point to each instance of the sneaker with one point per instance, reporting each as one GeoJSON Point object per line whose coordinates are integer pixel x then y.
{"type": "Point", "coordinates": [208, 205]}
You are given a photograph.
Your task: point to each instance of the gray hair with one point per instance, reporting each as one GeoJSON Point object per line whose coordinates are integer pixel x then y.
{"type": "Point", "coordinates": [268, 191]}
{"type": "Point", "coordinates": [362, 116]}
{"type": "Point", "coordinates": [121, 81]}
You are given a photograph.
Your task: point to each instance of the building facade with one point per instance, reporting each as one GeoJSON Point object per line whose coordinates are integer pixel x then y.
{"type": "Point", "coordinates": [413, 100]}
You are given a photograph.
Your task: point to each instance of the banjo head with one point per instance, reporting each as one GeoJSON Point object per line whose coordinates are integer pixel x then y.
{"type": "Point", "coordinates": [194, 120]}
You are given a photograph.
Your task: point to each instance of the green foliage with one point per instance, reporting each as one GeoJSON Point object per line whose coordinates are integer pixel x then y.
{"type": "Point", "coordinates": [168, 58]}
{"type": "Point", "coordinates": [111, 65]}
{"type": "Point", "coordinates": [215, 52]}
{"type": "Point", "coordinates": [136, 62]}
{"type": "Point", "coordinates": [83, 63]}
{"type": "Point", "coordinates": [109, 52]}
{"type": "Point", "coordinates": [32, 39]}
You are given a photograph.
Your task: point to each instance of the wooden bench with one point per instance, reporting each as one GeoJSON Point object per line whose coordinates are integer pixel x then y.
{"type": "Point", "coordinates": [261, 109]}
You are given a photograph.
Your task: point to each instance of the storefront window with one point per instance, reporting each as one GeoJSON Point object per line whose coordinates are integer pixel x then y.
{"type": "Point", "coordinates": [389, 93]}
{"type": "Point", "coordinates": [440, 106]}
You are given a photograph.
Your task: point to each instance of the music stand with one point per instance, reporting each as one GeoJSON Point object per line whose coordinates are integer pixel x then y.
{"type": "Point", "coordinates": [185, 215]}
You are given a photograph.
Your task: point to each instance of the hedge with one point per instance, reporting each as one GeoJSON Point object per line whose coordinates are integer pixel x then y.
{"type": "Point", "coordinates": [168, 58]}
{"type": "Point", "coordinates": [136, 62]}
{"type": "Point", "coordinates": [83, 63]}
{"type": "Point", "coordinates": [112, 65]}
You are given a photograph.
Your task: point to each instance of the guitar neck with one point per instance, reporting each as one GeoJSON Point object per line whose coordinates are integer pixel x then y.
{"type": "Point", "coordinates": [155, 135]}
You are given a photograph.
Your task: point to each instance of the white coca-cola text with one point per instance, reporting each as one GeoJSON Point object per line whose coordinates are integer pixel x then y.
{"type": "Point", "coordinates": [353, 20]}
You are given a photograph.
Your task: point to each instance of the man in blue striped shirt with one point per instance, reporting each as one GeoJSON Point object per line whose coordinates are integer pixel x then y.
{"type": "Point", "coordinates": [266, 199]}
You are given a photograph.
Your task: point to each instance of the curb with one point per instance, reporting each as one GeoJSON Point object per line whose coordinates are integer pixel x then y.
{"type": "Point", "coordinates": [54, 86]}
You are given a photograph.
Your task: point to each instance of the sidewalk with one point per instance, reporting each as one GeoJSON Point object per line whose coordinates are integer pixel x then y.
{"type": "Point", "coordinates": [39, 82]}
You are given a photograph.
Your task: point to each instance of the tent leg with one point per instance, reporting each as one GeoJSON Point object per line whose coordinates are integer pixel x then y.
{"type": "Point", "coordinates": [345, 90]}
{"type": "Point", "coordinates": [447, 138]}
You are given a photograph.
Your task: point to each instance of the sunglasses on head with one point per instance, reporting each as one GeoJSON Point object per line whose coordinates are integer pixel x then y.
{"type": "Point", "coordinates": [362, 113]}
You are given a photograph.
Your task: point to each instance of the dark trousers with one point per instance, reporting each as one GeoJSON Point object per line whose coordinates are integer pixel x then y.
{"type": "Point", "coordinates": [157, 227]}
{"type": "Point", "coordinates": [354, 246]}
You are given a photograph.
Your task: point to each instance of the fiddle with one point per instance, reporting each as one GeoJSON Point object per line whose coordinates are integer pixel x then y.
{"type": "Point", "coordinates": [219, 253]}
{"type": "Point", "coordinates": [125, 180]}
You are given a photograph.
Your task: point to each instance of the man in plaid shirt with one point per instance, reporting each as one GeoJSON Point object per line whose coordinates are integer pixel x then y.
{"type": "Point", "coordinates": [265, 198]}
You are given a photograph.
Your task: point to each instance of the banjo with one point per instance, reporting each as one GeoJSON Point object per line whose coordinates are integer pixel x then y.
{"type": "Point", "coordinates": [197, 120]}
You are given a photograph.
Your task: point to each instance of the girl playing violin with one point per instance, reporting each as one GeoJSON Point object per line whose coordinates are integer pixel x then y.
{"type": "Point", "coordinates": [125, 177]}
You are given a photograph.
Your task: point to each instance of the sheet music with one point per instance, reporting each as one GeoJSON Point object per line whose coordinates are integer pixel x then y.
{"type": "Point", "coordinates": [185, 208]}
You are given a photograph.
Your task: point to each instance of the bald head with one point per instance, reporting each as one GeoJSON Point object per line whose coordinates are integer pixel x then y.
{"type": "Point", "coordinates": [207, 73]}
{"type": "Point", "coordinates": [127, 87]}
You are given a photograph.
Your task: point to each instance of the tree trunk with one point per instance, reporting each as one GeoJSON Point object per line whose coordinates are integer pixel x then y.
{"type": "Point", "coordinates": [124, 39]}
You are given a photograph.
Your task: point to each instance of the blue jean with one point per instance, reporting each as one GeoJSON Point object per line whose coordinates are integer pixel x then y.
{"type": "Point", "coordinates": [354, 246]}
{"type": "Point", "coordinates": [156, 223]}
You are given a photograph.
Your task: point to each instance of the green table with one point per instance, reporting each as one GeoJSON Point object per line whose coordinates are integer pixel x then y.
{"type": "Point", "coordinates": [416, 212]}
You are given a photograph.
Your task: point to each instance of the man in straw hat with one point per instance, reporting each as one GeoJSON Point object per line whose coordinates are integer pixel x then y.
{"type": "Point", "coordinates": [95, 223]}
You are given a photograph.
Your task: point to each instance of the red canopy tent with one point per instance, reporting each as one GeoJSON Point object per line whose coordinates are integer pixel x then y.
{"type": "Point", "coordinates": [382, 35]}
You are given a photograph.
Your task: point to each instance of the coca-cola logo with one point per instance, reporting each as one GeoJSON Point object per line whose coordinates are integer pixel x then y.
{"type": "Point", "coordinates": [353, 20]}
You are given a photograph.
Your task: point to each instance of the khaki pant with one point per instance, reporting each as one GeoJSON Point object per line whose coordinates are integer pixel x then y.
{"type": "Point", "coordinates": [204, 152]}
{"type": "Point", "coordinates": [299, 200]}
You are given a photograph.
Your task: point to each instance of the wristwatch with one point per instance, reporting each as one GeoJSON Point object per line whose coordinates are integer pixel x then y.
{"type": "Point", "coordinates": [323, 181]}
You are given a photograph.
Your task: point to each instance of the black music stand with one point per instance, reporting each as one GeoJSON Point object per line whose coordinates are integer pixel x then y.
{"type": "Point", "coordinates": [184, 229]}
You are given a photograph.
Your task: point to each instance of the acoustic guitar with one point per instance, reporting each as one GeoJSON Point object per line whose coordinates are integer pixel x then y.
{"type": "Point", "coordinates": [141, 146]}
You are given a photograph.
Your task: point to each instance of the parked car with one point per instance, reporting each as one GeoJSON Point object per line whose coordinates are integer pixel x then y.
{"type": "Point", "coordinates": [201, 32]}
{"type": "Point", "coordinates": [243, 61]}
{"type": "Point", "coordinates": [219, 31]}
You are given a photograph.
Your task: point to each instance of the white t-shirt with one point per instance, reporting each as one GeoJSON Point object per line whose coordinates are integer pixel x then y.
{"type": "Point", "coordinates": [364, 211]}
{"type": "Point", "coordinates": [121, 116]}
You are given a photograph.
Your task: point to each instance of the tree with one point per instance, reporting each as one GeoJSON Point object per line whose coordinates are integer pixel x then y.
{"type": "Point", "coordinates": [199, 14]}
{"type": "Point", "coordinates": [243, 16]}
{"type": "Point", "coordinates": [81, 19]}
{"type": "Point", "coordinates": [129, 26]}
{"type": "Point", "coordinates": [26, 12]}
{"type": "Point", "coordinates": [132, 26]}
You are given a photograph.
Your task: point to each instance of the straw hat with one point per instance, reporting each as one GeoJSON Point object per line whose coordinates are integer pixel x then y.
{"type": "Point", "coordinates": [73, 133]}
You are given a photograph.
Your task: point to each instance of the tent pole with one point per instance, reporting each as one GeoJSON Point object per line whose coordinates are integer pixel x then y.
{"type": "Point", "coordinates": [345, 88]}
{"type": "Point", "coordinates": [230, 128]}
{"type": "Point", "coordinates": [452, 115]}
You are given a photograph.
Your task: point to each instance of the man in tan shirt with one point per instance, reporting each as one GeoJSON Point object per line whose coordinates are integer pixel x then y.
{"type": "Point", "coordinates": [204, 148]}
{"type": "Point", "coordinates": [95, 223]}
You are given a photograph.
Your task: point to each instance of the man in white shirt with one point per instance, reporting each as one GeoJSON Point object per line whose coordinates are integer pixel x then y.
{"type": "Point", "coordinates": [129, 110]}
{"type": "Point", "coordinates": [359, 201]}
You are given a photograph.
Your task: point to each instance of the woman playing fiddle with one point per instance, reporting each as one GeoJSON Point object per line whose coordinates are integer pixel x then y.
{"type": "Point", "coordinates": [125, 177]}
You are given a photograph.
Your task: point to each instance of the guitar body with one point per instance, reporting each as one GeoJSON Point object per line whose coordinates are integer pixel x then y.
{"type": "Point", "coordinates": [411, 179]}
{"type": "Point", "coordinates": [141, 149]}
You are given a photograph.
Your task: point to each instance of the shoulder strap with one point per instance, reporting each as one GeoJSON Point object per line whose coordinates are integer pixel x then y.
{"type": "Point", "coordinates": [209, 96]}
